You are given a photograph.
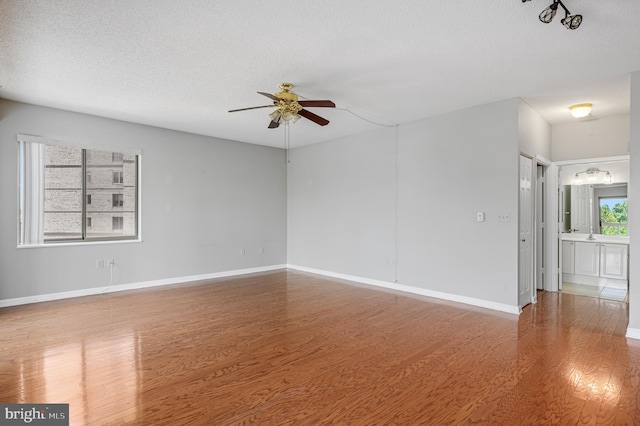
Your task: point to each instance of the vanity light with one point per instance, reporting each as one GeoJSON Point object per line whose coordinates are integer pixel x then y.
{"type": "Point", "coordinates": [580, 110]}
{"type": "Point", "coordinates": [577, 180]}
{"type": "Point", "coordinates": [592, 176]}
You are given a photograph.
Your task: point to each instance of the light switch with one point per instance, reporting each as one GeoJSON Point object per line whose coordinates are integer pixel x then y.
{"type": "Point", "coordinates": [504, 218]}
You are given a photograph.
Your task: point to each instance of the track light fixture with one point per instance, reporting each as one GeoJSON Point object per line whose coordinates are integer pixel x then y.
{"type": "Point", "coordinates": [570, 21]}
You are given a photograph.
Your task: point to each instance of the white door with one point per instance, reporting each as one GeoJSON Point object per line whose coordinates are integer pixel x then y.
{"type": "Point", "coordinates": [540, 218]}
{"type": "Point", "coordinates": [563, 219]}
{"type": "Point", "coordinates": [525, 265]}
{"type": "Point", "coordinates": [580, 208]}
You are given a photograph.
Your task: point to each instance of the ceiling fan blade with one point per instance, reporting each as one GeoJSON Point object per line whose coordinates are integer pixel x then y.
{"type": "Point", "coordinates": [317, 104]}
{"type": "Point", "coordinates": [315, 118]}
{"type": "Point", "coordinates": [273, 125]}
{"type": "Point", "coordinates": [268, 95]}
{"type": "Point", "coordinates": [245, 109]}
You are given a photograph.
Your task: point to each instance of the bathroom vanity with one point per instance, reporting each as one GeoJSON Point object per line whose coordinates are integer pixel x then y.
{"type": "Point", "coordinates": [595, 262]}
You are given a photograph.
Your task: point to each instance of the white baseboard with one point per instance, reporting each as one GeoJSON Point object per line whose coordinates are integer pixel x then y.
{"type": "Point", "coordinates": [415, 290]}
{"type": "Point", "coordinates": [133, 286]}
{"type": "Point", "coordinates": [177, 280]}
{"type": "Point", "coordinates": [633, 333]}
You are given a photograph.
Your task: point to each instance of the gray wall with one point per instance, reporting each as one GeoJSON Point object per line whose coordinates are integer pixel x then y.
{"type": "Point", "coordinates": [203, 200]}
{"type": "Point", "coordinates": [534, 133]}
{"type": "Point", "coordinates": [342, 206]}
{"type": "Point", "coordinates": [604, 137]}
{"type": "Point", "coordinates": [348, 211]}
{"type": "Point", "coordinates": [634, 213]}
{"type": "Point", "coordinates": [450, 168]}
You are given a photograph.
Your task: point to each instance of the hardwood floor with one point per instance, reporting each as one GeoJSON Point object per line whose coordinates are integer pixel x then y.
{"type": "Point", "coordinates": [293, 348]}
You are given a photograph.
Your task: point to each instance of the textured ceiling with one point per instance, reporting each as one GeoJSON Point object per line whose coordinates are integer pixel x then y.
{"type": "Point", "coordinates": [183, 64]}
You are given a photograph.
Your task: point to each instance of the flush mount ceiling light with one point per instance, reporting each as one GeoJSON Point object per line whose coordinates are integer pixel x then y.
{"type": "Point", "coordinates": [570, 21]}
{"type": "Point", "coordinates": [593, 175]}
{"type": "Point", "coordinates": [580, 110]}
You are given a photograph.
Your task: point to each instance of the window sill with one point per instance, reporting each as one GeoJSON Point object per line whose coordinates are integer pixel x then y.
{"type": "Point", "coordinates": [80, 243]}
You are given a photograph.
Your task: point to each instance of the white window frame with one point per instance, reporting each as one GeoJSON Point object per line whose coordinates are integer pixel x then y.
{"type": "Point", "coordinates": [36, 229]}
{"type": "Point", "coordinates": [611, 224]}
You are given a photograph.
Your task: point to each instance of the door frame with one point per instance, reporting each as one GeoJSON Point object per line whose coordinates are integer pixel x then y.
{"type": "Point", "coordinates": [531, 229]}
{"type": "Point", "coordinates": [543, 192]}
{"type": "Point", "coordinates": [553, 280]}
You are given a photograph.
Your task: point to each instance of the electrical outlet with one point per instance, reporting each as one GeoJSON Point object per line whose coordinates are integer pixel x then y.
{"type": "Point", "coordinates": [480, 216]}
{"type": "Point", "coordinates": [99, 264]}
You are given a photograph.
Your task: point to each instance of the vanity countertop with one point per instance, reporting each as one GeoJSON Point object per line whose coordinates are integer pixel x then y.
{"type": "Point", "coordinates": [613, 239]}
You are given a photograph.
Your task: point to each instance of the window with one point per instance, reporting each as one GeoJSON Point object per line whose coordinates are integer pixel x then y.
{"type": "Point", "coordinates": [118, 177]}
{"type": "Point", "coordinates": [613, 216]}
{"type": "Point", "coordinates": [53, 199]}
{"type": "Point", "coordinates": [117, 157]}
{"type": "Point", "coordinates": [117, 223]}
{"type": "Point", "coordinates": [118, 200]}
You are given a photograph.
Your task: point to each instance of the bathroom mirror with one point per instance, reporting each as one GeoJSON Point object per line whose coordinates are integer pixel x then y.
{"type": "Point", "coordinates": [594, 198]}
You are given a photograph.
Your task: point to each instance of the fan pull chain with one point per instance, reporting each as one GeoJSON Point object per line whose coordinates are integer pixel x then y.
{"type": "Point", "coordinates": [286, 142]}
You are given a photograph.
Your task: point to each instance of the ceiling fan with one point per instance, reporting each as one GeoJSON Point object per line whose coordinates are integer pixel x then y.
{"type": "Point", "coordinates": [289, 108]}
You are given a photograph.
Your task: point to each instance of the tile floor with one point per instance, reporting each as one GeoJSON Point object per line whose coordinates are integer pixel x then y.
{"type": "Point", "coordinates": [608, 291]}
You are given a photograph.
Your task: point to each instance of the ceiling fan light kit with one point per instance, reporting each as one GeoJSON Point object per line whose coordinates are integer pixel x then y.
{"type": "Point", "coordinates": [571, 22]}
{"type": "Point", "coordinates": [290, 109]}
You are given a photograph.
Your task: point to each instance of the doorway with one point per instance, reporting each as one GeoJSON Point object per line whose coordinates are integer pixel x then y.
{"type": "Point", "coordinates": [525, 254]}
{"type": "Point", "coordinates": [592, 235]}
{"type": "Point", "coordinates": [540, 228]}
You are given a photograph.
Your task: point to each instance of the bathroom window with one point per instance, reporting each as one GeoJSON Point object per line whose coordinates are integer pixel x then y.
{"type": "Point", "coordinates": [613, 216]}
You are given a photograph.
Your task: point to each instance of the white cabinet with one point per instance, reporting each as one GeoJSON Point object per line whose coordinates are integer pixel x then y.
{"type": "Point", "coordinates": [567, 257]}
{"type": "Point", "coordinates": [613, 261]}
{"type": "Point", "coordinates": [587, 259]}
{"type": "Point", "coordinates": [595, 263]}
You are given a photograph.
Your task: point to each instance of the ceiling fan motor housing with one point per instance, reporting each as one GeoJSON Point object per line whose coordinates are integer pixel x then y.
{"type": "Point", "coordinates": [286, 94]}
